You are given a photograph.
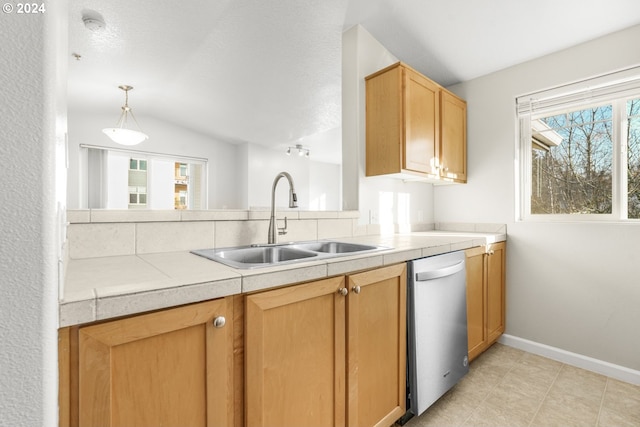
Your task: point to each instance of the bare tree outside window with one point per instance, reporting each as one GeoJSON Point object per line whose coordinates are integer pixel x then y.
{"type": "Point", "coordinates": [633, 158]}
{"type": "Point", "coordinates": [575, 176]}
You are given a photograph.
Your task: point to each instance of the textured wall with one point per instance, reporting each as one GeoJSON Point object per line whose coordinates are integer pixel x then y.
{"type": "Point", "coordinates": [28, 270]}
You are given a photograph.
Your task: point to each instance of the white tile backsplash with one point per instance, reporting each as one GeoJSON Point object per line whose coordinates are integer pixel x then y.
{"type": "Point", "coordinates": [152, 237]}
{"type": "Point", "coordinates": [299, 230]}
{"type": "Point", "coordinates": [215, 215]}
{"type": "Point", "coordinates": [334, 228]}
{"type": "Point", "coordinates": [78, 216]}
{"type": "Point", "coordinates": [101, 240]}
{"type": "Point", "coordinates": [240, 233]}
{"type": "Point", "coordinates": [134, 215]}
{"type": "Point", "coordinates": [482, 227]}
{"type": "Point", "coordinates": [103, 233]}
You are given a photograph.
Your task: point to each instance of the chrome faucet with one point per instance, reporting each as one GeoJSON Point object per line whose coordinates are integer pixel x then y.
{"type": "Point", "coordinates": [293, 203]}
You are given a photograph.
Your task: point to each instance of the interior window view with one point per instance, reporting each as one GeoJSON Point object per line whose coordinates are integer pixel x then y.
{"type": "Point", "coordinates": [122, 179]}
{"type": "Point", "coordinates": [338, 213]}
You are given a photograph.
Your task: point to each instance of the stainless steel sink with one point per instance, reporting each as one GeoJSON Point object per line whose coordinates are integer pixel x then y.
{"type": "Point", "coordinates": [259, 256]}
{"type": "Point", "coordinates": [330, 247]}
{"type": "Point", "coordinates": [245, 257]}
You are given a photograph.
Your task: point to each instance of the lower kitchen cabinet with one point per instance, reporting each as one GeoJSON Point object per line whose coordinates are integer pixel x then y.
{"type": "Point", "coordinates": [328, 353]}
{"type": "Point", "coordinates": [485, 296]}
{"type": "Point", "coordinates": [171, 367]}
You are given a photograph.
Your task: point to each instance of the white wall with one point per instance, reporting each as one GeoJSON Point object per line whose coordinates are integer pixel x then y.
{"type": "Point", "coordinates": [571, 286]}
{"type": "Point", "coordinates": [310, 184]}
{"type": "Point", "coordinates": [165, 138]}
{"type": "Point", "coordinates": [325, 185]}
{"type": "Point", "coordinates": [363, 55]}
{"type": "Point", "coordinates": [32, 211]}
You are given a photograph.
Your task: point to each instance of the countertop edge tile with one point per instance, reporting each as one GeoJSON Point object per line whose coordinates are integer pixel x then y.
{"type": "Point", "coordinates": [436, 250]}
{"type": "Point", "coordinates": [76, 312]}
{"type": "Point", "coordinates": [271, 279]}
{"type": "Point", "coordinates": [338, 267]}
{"type": "Point", "coordinates": [401, 256]}
{"type": "Point", "coordinates": [122, 305]}
{"type": "Point", "coordinates": [460, 246]}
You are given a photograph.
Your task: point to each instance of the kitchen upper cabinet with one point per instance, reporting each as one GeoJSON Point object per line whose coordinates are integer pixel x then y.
{"type": "Point", "coordinates": [171, 367]}
{"type": "Point", "coordinates": [328, 353]}
{"type": "Point", "coordinates": [453, 137]}
{"type": "Point", "coordinates": [414, 127]}
{"type": "Point", "coordinates": [485, 296]}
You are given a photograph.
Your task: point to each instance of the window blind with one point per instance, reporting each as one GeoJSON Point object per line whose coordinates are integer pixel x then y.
{"type": "Point", "coordinates": [591, 91]}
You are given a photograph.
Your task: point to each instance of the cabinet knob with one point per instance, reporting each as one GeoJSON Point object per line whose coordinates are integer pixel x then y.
{"type": "Point", "coordinates": [343, 291]}
{"type": "Point", "coordinates": [356, 289]}
{"type": "Point", "coordinates": [219, 322]}
{"type": "Point", "coordinates": [491, 252]}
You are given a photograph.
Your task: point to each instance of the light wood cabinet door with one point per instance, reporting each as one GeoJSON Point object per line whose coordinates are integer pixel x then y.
{"type": "Point", "coordinates": [295, 355]}
{"type": "Point", "coordinates": [453, 137]}
{"type": "Point", "coordinates": [485, 296]}
{"type": "Point", "coordinates": [376, 346]}
{"type": "Point", "coordinates": [384, 125]}
{"type": "Point", "coordinates": [421, 118]}
{"type": "Point", "coordinates": [496, 254]}
{"type": "Point", "coordinates": [171, 367]}
{"type": "Point", "coordinates": [476, 301]}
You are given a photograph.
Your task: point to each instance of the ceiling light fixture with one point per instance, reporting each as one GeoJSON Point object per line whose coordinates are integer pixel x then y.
{"type": "Point", "coordinates": [120, 133]}
{"type": "Point", "coordinates": [302, 151]}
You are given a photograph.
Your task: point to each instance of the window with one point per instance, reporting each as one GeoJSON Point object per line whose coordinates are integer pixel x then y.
{"type": "Point", "coordinates": [137, 183]}
{"type": "Point", "coordinates": [579, 151]}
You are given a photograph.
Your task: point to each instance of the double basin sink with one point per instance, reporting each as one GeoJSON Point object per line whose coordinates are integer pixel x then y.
{"type": "Point", "coordinates": [272, 255]}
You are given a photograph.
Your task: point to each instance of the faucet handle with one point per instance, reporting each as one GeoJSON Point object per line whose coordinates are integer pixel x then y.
{"type": "Point", "coordinates": [282, 231]}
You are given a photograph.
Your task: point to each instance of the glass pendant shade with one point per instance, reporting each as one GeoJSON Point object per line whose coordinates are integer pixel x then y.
{"type": "Point", "coordinates": [120, 133]}
{"type": "Point", "coordinates": [125, 136]}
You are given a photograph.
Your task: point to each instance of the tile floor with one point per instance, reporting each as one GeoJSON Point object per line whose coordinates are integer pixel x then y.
{"type": "Point", "coordinates": [509, 387]}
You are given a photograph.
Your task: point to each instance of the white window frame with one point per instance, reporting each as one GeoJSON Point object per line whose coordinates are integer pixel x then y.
{"type": "Point", "coordinates": [614, 88]}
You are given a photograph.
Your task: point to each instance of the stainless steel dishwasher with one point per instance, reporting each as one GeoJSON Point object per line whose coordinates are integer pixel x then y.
{"type": "Point", "coordinates": [436, 328]}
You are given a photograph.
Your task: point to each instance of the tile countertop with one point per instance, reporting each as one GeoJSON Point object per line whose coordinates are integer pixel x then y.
{"type": "Point", "coordinates": [108, 287]}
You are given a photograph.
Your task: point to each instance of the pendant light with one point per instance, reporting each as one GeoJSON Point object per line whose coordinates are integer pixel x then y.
{"type": "Point", "coordinates": [120, 133]}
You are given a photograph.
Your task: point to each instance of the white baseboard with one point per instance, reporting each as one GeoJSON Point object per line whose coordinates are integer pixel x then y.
{"type": "Point", "coordinates": [574, 359]}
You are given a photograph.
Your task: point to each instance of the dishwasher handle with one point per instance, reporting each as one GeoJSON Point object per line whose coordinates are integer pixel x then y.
{"type": "Point", "coordinates": [449, 270]}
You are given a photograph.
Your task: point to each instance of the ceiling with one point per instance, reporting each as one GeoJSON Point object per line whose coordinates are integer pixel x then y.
{"type": "Point", "coordinates": [269, 72]}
